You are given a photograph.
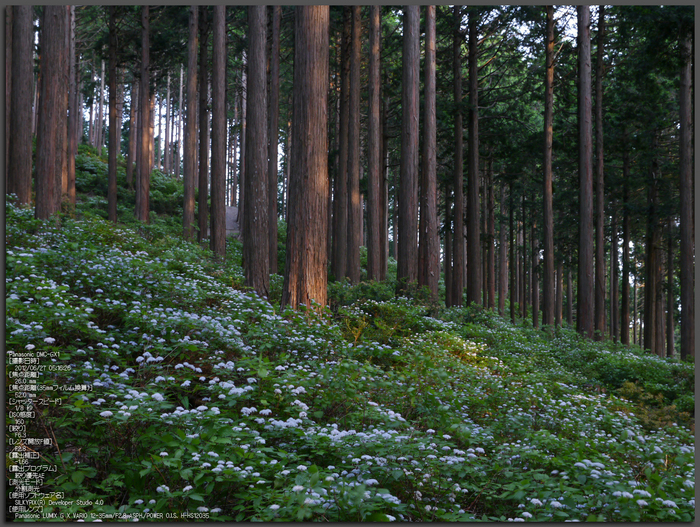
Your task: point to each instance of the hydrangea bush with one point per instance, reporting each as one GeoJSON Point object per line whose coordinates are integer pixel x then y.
{"type": "Point", "coordinates": [206, 399]}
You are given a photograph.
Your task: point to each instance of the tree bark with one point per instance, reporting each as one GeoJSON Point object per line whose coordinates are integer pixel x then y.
{"type": "Point", "coordinates": [166, 142]}
{"type": "Point", "coordinates": [133, 133]}
{"type": "Point", "coordinates": [306, 276]}
{"type": "Point", "coordinates": [559, 300]}
{"type": "Point", "coordinates": [687, 222]}
{"type": "Point", "coordinates": [19, 118]}
{"type": "Point", "coordinates": [375, 181]}
{"type": "Point", "coordinates": [585, 307]}
{"type": "Point", "coordinates": [353, 189]}
{"type": "Point", "coordinates": [99, 138]}
{"type": "Point", "coordinates": [429, 256]}
{"type": "Point", "coordinates": [256, 247]}
{"type": "Point", "coordinates": [180, 136]}
{"type": "Point", "coordinates": [473, 221]}
{"type": "Point", "coordinates": [144, 172]}
{"type": "Point", "coordinates": [600, 184]}
{"type": "Point", "coordinates": [447, 261]}
{"type": "Point", "coordinates": [513, 250]}
{"type": "Point", "coordinates": [75, 118]}
{"type": "Point", "coordinates": [490, 237]}
{"type": "Point", "coordinates": [625, 307]}
{"type": "Point", "coordinates": [502, 255]}
{"type": "Point", "coordinates": [203, 185]}
{"type": "Point", "coordinates": [339, 245]}
{"type": "Point", "coordinates": [653, 301]}
{"type": "Point", "coordinates": [218, 134]}
{"type": "Point", "coordinates": [273, 133]}
{"type": "Point", "coordinates": [535, 251]}
{"type": "Point", "coordinates": [670, 307]}
{"type": "Point", "coordinates": [548, 285]}
{"type": "Point", "coordinates": [614, 277]}
{"type": "Point", "coordinates": [407, 261]}
{"type": "Point", "coordinates": [458, 253]}
{"type": "Point", "coordinates": [51, 112]}
{"type": "Point", "coordinates": [190, 138]}
{"type": "Point", "coordinates": [113, 147]}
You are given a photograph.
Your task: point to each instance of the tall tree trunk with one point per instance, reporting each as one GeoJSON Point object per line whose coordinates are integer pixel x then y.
{"type": "Point", "coordinates": [473, 223]}
{"type": "Point", "coordinates": [113, 147]}
{"type": "Point", "coordinates": [133, 133]}
{"type": "Point", "coordinates": [670, 308]}
{"type": "Point", "coordinates": [144, 171]}
{"type": "Point", "coordinates": [234, 164]}
{"type": "Point", "coordinates": [384, 188]}
{"type": "Point", "coordinates": [502, 255]}
{"type": "Point", "coordinates": [244, 121]}
{"type": "Point", "coordinates": [407, 261]}
{"type": "Point", "coordinates": [585, 307]}
{"type": "Point", "coordinates": [614, 277]}
{"type": "Point", "coordinates": [19, 118]}
{"type": "Point", "coordinates": [218, 134]}
{"type": "Point", "coordinates": [548, 285]}
{"type": "Point", "coordinates": [100, 111]}
{"type": "Point", "coordinates": [447, 262]}
{"type": "Point", "coordinates": [353, 190]}
{"type": "Point", "coordinates": [559, 300]}
{"type": "Point", "coordinates": [62, 137]}
{"type": "Point", "coordinates": [653, 304]}
{"type": "Point", "coordinates": [458, 253]}
{"type": "Point", "coordinates": [168, 128]}
{"type": "Point", "coordinates": [429, 260]}
{"type": "Point", "coordinates": [513, 251]}
{"type": "Point", "coordinates": [535, 250]}
{"type": "Point", "coordinates": [190, 138]}
{"type": "Point", "coordinates": [306, 276]}
{"type": "Point", "coordinates": [273, 133]}
{"type": "Point", "coordinates": [180, 136]}
{"type": "Point", "coordinates": [625, 307]}
{"type": "Point", "coordinates": [687, 223]}
{"type": "Point", "coordinates": [74, 110]}
{"type": "Point", "coordinates": [569, 295]}
{"type": "Point", "coordinates": [490, 237]}
{"type": "Point", "coordinates": [339, 245]}
{"type": "Point", "coordinates": [374, 180]}
{"type": "Point", "coordinates": [51, 112]}
{"type": "Point", "coordinates": [600, 184]}
{"type": "Point", "coordinates": [203, 185]}
{"type": "Point", "coordinates": [256, 248]}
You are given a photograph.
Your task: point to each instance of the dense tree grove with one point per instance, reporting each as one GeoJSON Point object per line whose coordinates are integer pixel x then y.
{"type": "Point", "coordinates": [537, 160]}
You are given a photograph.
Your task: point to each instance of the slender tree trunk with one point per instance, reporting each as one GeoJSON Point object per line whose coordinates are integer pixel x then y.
{"type": "Point", "coordinates": [407, 261]}
{"type": "Point", "coordinates": [384, 184]}
{"type": "Point", "coordinates": [473, 226]}
{"type": "Point", "coordinates": [100, 112]}
{"type": "Point", "coordinates": [306, 275]}
{"type": "Point", "coordinates": [491, 238]}
{"type": "Point", "coordinates": [19, 118]}
{"type": "Point", "coordinates": [74, 111]}
{"type": "Point", "coordinates": [374, 181]}
{"type": "Point", "coordinates": [62, 137]}
{"type": "Point", "coordinates": [113, 147]}
{"type": "Point", "coordinates": [51, 112]}
{"type": "Point", "coordinates": [614, 277]}
{"type": "Point", "coordinates": [548, 285]}
{"type": "Point", "coordinates": [234, 164]}
{"type": "Point", "coordinates": [687, 223]}
{"type": "Point", "coordinates": [133, 133]}
{"type": "Point", "coordinates": [274, 132]}
{"type": "Point", "coordinates": [340, 203]}
{"type": "Point", "coordinates": [559, 294]}
{"type": "Point", "coordinates": [218, 134]}
{"type": "Point", "coordinates": [244, 122]}
{"type": "Point", "coordinates": [513, 250]}
{"type": "Point", "coordinates": [447, 265]}
{"type": "Point", "coordinates": [502, 256]}
{"type": "Point", "coordinates": [585, 308]}
{"type": "Point", "coordinates": [600, 184]}
{"type": "Point", "coordinates": [180, 136]}
{"type": "Point", "coordinates": [458, 177]}
{"type": "Point", "coordinates": [190, 138]}
{"type": "Point", "coordinates": [166, 143]}
{"type": "Point", "coordinates": [203, 185]}
{"type": "Point", "coordinates": [625, 308]}
{"type": "Point", "coordinates": [523, 261]}
{"type": "Point", "coordinates": [569, 296]}
{"type": "Point", "coordinates": [670, 309]}
{"type": "Point", "coordinates": [353, 190]}
{"type": "Point", "coordinates": [144, 172]}
{"type": "Point", "coordinates": [653, 305]}
{"type": "Point", "coordinates": [535, 272]}
{"type": "Point", "coordinates": [429, 260]}
{"type": "Point", "coordinates": [256, 248]}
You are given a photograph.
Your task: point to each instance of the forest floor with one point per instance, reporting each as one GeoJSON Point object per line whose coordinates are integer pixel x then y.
{"type": "Point", "coordinates": [207, 402]}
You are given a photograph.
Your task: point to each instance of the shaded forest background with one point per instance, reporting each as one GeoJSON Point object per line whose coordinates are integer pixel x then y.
{"type": "Point", "coordinates": [532, 160]}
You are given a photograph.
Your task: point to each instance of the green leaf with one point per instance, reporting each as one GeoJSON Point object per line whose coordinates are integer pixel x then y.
{"type": "Point", "coordinates": [78, 477]}
{"type": "Point", "coordinates": [196, 497]}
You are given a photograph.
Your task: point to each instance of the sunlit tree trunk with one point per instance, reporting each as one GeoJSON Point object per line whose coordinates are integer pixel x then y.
{"type": "Point", "coordinates": [548, 285]}
{"type": "Point", "coordinates": [353, 189]}
{"type": "Point", "coordinates": [144, 171]}
{"type": "Point", "coordinates": [306, 274]}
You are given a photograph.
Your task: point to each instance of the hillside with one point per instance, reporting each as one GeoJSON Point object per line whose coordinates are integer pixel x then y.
{"type": "Point", "coordinates": [206, 402]}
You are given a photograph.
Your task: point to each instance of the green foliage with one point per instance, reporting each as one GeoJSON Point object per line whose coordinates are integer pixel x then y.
{"type": "Point", "coordinates": [206, 402]}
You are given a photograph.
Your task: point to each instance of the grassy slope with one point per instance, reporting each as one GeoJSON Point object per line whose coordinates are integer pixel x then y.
{"type": "Point", "coordinates": [205, 399]}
